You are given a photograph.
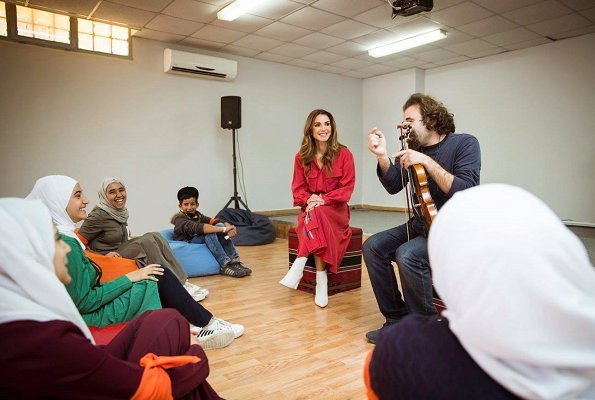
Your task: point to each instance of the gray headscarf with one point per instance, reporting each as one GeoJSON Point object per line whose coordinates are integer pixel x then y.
{"type": "Point", "coordinates": [119, 215]}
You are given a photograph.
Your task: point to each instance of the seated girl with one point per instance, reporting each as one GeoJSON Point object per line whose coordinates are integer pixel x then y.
{"type": "Point", "coordinates": [106, 232]}
{"type": "Point", "coordinates": [520, 320]}
{"type": "Point", "coordinates": [123, 298]}
{"type": "Point", "coordinates": [46, 349]}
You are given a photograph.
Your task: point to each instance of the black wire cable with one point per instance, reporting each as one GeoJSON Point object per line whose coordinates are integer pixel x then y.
{"type": "Point", "coordinates": [242, 182]}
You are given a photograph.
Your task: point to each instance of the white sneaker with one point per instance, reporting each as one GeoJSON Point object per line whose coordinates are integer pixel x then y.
{"type": "Point", "coordinates": [212, 338]}
{"type": "Point", "coordinates": [218, 323]}
{"type": "Point", "coordinates": [195, 291]}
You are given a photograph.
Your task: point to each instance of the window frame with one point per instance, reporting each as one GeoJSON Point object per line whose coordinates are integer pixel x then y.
{"type": "Point", "coordinates": [12, 34]}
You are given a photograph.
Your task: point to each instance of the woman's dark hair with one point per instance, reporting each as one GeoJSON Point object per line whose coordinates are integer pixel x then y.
{"type": "Point", "coordinates": [308, 147]}
{"type": "Point", "coordinates": [187, 192]}
{"type": "Point", "coordinates": [434, 114]}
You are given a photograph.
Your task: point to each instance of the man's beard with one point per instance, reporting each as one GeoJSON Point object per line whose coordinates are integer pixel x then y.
{"type": "Point", "coordinates": [413, 142]}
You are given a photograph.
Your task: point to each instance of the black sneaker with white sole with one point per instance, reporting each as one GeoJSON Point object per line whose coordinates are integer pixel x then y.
{"type": "Point", "coordinates": [233, 270]}
{"type": "Point", "coordinates": [242, 266]}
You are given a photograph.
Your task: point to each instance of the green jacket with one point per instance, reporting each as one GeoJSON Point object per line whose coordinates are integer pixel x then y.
{"type": "Point", "coordinates": [107, 303]}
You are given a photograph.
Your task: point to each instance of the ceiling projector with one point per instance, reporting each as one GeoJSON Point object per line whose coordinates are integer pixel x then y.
{"type": "Point", "coordinates": [406, 8]}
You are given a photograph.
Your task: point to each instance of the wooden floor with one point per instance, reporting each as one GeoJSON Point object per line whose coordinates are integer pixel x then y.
{"type": "Point", "coordinates": [292, 349]}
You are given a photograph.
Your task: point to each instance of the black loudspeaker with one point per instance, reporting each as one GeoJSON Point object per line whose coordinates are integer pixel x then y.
{"type": "Point", "coordinates": [231, 112]}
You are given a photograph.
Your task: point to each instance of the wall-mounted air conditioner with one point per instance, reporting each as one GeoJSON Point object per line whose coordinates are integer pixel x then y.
{"type": "Point", "coordinates": [185, 63]}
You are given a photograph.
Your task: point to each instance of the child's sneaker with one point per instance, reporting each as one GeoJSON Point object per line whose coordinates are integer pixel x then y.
{"type": "Point", "coordinates": [242, 266]}
{"type": "Point", "coordinates": [231, 269]}
{"type": "Point", "coordinates": [213, 338]}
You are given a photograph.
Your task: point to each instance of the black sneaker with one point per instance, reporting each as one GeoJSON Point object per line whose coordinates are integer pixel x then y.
{"type": "Point", "coordinates": [372, 336]}
{"type": "Point", "coordinates": [233, 270]}
{"type": "Point", "coordinates": [242, 266]}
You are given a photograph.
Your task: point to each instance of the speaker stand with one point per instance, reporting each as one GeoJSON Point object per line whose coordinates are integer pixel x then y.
{"type": "Point", "coordinates": [237, 200]}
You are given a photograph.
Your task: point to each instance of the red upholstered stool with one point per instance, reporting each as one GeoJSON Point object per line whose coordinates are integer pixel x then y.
{"type": "Point", "coordinates": [107, 333]}
{"type": "Point", "coordinates": [349, 273]}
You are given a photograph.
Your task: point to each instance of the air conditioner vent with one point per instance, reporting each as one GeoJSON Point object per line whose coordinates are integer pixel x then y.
{"type": "Point", "coordinates": [198, 72]}
{"type": "Point", "coordinates": [193, 64]}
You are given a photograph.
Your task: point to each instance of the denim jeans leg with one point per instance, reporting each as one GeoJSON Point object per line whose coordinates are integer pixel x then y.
{"type": "Point", "coordinates": [212, 242]}
{"type": "Point", "coordinates": [416, 276]}
{"type": "Point", "coordinates": [228, 246]}
{"type": "Point", "coordinates": [229, 249]}
{"type": "Point", "coordinates": [378, 251]}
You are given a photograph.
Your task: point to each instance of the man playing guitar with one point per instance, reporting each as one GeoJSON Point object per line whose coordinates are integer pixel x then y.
{"type": "Point", "coordinates": [452, 162]}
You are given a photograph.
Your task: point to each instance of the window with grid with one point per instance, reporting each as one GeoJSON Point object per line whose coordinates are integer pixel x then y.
{"type": "Point", "coordinates": [105, 38]}
{"type": "Point", "coordinates": [3, 26]}
{"type": "Point", "coordinates": [43, 25]}
{"type": "Point", "coordinates": [31, 25]}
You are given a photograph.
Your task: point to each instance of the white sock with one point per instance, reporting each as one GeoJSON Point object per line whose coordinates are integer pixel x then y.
{"type": "Point", "coordinates": [295, 273]}
{"type": "Point", "coordinates": [321, 298]}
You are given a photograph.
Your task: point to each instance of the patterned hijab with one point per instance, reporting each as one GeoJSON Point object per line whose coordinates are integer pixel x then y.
{"type": "Point", "coordinates": [55, 191]}
{"type": "Point", "coordinates": [119, 215]}
{"type": "Point", "coordinates": [519, 290]}
{"type": "Point", "coordinates": [29, 287]}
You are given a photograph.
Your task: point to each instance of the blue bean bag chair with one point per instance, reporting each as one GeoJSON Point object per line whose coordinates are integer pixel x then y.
{"type": "Point", "coordinates": [196, 258]}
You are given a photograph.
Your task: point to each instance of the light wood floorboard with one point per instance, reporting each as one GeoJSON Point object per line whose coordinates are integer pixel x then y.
{"type": "Point", "coordinates": [292, 349]}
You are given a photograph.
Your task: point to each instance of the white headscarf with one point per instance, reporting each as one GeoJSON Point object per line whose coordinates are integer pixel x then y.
{"type": "Point", "coordinates": [55, 192]}
{"type": "Point", "coordinates": [519, 290]}
{"type": "Point", "coordinates": [119, 215]}
{"type": "Point", "coordinates": [29, 288]}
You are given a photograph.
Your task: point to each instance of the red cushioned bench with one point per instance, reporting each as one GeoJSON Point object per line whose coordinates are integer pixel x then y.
{"type": "Point", "coordinates": [349, 273]}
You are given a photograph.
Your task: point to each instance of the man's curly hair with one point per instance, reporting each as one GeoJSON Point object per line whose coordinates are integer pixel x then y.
{"type": "Point", "coordinates": [435, 115]}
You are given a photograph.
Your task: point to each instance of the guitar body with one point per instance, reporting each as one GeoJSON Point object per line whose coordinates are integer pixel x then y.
{"type": "Point", "coordinates": [425, 204]}
{"type": "Point", "coordinates": [417, 188]}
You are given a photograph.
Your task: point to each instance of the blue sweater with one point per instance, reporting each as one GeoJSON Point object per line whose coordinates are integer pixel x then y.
{"type": "Point", "coordinates": [457, 153]}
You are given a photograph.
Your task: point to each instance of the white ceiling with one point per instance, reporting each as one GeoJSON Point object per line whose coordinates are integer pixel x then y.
{"type": "Point", "coordinates": [334, 35]}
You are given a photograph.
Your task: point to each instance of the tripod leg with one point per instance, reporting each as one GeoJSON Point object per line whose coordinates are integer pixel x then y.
{"type": "Point", "coordinates": [244, 204]}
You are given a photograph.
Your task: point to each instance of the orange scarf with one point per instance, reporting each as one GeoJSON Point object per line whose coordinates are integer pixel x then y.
{"type": "Point", "coordinates": [155, 383]}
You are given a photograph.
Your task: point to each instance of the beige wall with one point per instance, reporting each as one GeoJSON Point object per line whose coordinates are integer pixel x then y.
{"type": "Point", "coordinates": [92, 116]}
{"type": "Point", "coordinates": [532, 111]}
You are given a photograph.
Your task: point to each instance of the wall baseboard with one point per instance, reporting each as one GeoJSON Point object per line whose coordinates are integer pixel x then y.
{"type": "Point", "coordinates": [287, 211]}
{"type": "Point", "coordinates": [296, 211]}
{"type": "Point", "coordinates": [578, 223]}
{"type": "Point", "coordinates": [377, 208]}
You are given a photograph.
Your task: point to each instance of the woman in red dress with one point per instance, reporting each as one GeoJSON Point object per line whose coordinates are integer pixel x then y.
{"type": "Point", "coordinates": [323, 181]}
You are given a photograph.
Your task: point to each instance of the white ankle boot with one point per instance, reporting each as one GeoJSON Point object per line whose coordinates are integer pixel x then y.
{"type": "Point", "coordinates": [321, 298]}
{"type": "Point", "coordinates": [295, 273]}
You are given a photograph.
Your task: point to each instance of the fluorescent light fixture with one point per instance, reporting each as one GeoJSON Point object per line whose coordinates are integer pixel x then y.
{"type": "Point", "coordinates": [237, 8]}
{"type": "Point", "coordinates": [408, 43]}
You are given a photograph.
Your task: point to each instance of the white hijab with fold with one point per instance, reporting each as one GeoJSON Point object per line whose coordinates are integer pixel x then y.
{"type": "Point", "coordinates": [29, 288]}
{"type": "Point", "coordinates": [55, 192]}
{"type": "Point", "coordinates": [519, 290]}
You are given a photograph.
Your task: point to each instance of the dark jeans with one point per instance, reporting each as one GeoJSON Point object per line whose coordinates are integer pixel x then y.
{"type": "Point", "coordinates": [173, 295]}
{"type": "Point", "coordinates": [222, 249]}
{"type": "Point", "coordinates": [414, 269]}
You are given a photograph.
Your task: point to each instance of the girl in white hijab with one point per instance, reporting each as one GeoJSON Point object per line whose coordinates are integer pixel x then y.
{"type": "Point", "coordinates": [520, 296]}
{"type": "Point", "coordinates": [519, 290]}
{"type": "Point", "coordinates": [23, 298]}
